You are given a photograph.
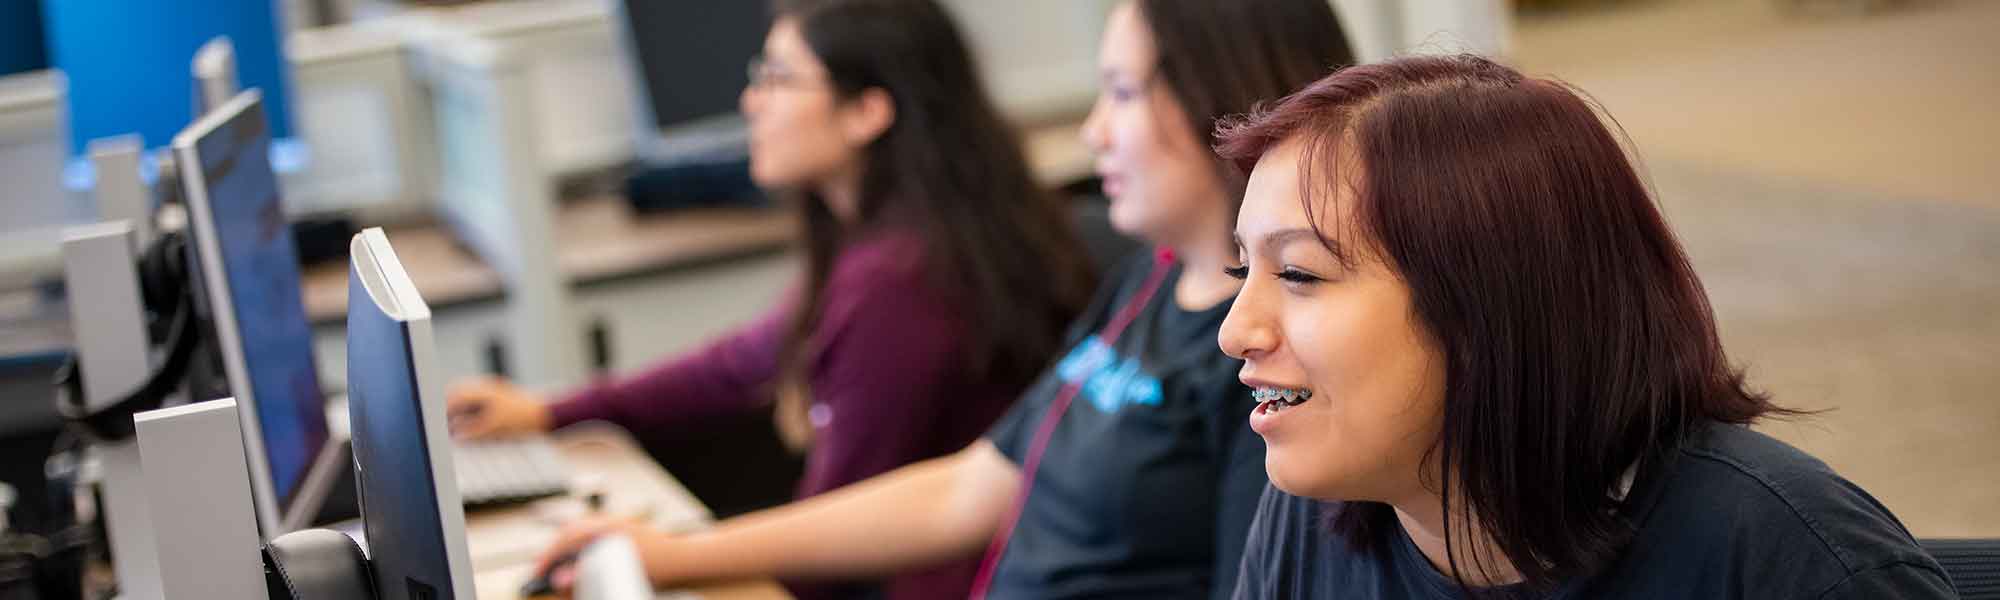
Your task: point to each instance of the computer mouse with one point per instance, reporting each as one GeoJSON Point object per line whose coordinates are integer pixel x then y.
{"type": "Point", "coordinates": [541, 585]}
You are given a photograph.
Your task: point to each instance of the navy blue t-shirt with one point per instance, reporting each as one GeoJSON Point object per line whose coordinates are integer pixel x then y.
{"type": "Point", "coordinates": [1733, 515]}
{"type": "Point", "coordinates": [1151, 478]}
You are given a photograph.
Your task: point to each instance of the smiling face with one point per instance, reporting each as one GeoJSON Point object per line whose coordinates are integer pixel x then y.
{"type": "Point", "coordinates": [1340, 336]}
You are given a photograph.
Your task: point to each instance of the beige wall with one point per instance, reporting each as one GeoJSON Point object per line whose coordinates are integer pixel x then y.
{"type": "Point", "coordinates": [1379, 29]}
{"type": "Point", "coordinates": [1038, 57]}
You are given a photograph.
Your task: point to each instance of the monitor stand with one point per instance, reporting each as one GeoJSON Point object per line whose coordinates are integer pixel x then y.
{"type": "Point", "coordinates": [198, 483]}
{"type": "Point", "coordinates": [112, 351]}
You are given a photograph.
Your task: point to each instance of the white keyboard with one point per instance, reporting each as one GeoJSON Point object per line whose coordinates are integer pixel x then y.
{"type": "Point", "coordinates": [508, 471]}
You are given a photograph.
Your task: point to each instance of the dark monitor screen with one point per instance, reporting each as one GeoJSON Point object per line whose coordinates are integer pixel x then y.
{"type": "Point", "coordinates": [21, 45]}
{"type": "Point", "coordinates": [262, 268]}
{"type": "Point", "coordinates": [415, 526]}
{"type": "Point", "coordinates": [694, 54]}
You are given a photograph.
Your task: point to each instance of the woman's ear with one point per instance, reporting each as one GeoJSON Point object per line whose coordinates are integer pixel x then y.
{"type": "Point", "coordinates": [867, 116]}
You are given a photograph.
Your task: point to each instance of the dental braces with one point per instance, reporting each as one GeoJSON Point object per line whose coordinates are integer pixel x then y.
{"type": "Point", "coordinates": [1286, 396]}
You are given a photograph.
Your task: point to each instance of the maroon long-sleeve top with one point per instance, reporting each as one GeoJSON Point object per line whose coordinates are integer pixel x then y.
{"type": "Point", "coordinates": [890, 383]}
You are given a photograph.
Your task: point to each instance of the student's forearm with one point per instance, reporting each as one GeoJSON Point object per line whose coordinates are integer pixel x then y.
{"type": "Point", "coordinates": [929, 512]}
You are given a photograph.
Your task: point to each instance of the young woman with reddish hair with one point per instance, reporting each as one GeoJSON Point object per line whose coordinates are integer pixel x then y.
{"type": "Point", "coordinates": [1486, 369]}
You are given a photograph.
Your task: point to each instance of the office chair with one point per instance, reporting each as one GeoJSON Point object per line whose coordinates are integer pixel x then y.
{"type": "Point", "coordinates": [1972, 563]}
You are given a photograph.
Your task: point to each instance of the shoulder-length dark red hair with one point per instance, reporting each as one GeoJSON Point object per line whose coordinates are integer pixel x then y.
{"type": "Point", "coordinates": [1577, 341]}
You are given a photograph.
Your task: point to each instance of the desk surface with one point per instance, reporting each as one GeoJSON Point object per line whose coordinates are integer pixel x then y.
{"type": "Point", "coordinates": [598, 238]}
{"type": "Point", "coordinates": [505, 542]}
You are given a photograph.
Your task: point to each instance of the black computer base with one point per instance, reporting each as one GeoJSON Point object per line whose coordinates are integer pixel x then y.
{"type": "Point", "coordinates": [317, 564]}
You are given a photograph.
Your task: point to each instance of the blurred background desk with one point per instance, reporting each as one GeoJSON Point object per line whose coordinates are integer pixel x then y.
{"type": "Point", "coordinates": [597, 239]}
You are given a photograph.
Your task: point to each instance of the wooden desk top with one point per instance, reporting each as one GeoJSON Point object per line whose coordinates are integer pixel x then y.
{"type": "Point", "coordinates": [505, 542]}
{"type": "Point", "coordinates": [598, 238]}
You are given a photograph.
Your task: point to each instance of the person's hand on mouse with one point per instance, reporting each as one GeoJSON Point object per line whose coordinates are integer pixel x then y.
{"type": "Point", "coordinates": [491, 408]}
{"type": "Point", "coordinates": [557, 562]}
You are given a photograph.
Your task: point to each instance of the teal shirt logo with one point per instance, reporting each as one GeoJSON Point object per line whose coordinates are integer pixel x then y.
{"type": "Point", "coordinates": [1108, 381]}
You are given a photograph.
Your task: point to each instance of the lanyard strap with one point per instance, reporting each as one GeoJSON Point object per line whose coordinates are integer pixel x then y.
{"type": "Point", "coordinates": [1163, 262]}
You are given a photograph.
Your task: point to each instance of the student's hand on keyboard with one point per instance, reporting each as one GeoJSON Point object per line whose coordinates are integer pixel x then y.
{"type": "Point", "coordinates": [489, 408]}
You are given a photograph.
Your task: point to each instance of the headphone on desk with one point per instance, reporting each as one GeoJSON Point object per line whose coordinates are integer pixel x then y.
{"type": "Point", "coordinates": [166, 289]}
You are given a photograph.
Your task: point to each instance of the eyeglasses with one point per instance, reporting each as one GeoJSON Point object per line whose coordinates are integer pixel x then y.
{"type": "Point", "coordinates": [765, 74]}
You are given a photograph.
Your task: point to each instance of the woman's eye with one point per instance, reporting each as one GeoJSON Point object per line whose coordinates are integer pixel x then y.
{"type": "Point", "coordinates": [1295, 276]}
{"type": "Point", "coordinates": [1237, 273]}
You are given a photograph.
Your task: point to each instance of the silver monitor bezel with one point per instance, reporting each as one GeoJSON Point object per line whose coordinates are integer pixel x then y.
{"type": "Point", "coordinates": [392, 291]}
{"type": "Point", "coordinates": [272, 520]}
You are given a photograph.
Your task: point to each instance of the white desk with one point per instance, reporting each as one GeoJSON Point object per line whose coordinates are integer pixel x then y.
{"type": "Point", "coordinates": [505, 542]}
{"type": "Point", "coordinates": [34, 146]}
{"type": "Point", "coordinates": [367, 120]}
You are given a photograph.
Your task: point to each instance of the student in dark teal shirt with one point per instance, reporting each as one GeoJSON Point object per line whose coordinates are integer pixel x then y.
{"type": "Point", "coordinates": [1487, 370]}
{"type": "Point", "coordinates": [1734, 514]}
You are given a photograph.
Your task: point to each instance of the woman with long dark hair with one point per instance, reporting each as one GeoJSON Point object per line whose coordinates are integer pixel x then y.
{"type": "Point", "coordinates": [939, 277]}
{"type": "Point", "coordinates": [1484, 367]}
{"type": "Point", "coordinates": [1125, 470]}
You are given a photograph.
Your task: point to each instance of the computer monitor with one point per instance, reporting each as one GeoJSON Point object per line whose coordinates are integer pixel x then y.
{"type": "Point", "coordinates": [249, 280]}
{"type": "Point", "coordinates": [403, 465]}
{"type": "Point", "coordinates": [688, 63]}
{"type": "Point", "coordinates": [21, 47]}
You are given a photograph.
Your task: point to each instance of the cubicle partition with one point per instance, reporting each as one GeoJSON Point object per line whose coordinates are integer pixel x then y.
{"type": "Point", "coordinates": [496, 196]}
